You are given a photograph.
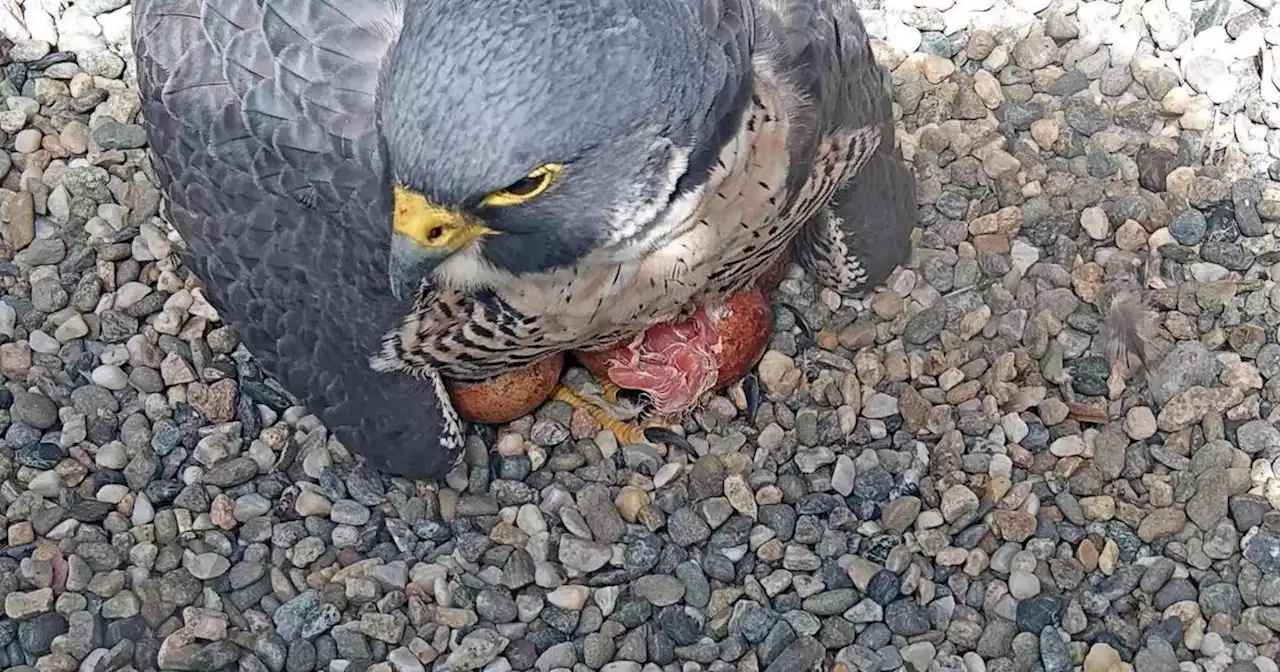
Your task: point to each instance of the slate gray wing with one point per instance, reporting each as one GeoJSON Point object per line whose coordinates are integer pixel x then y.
{"type": "Point", "coordinates": [260, 115]}
{"type": "Point", "coordinates": [865, 232]}
{"type": "Point", "coordinates": [723, 81]}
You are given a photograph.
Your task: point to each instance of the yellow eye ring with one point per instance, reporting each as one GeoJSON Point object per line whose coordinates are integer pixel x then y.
{"type": "Point", "coordinates": [527, 188]}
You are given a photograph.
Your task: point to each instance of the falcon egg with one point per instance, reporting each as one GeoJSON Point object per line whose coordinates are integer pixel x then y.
{"type": "Point", "coordinates": [507, 397]}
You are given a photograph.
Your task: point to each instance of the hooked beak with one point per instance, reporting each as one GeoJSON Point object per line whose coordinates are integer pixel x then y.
{"type": "Point", "coordinates": [425, 235]}
{"type": "Point", "coordinates": [411, 263]}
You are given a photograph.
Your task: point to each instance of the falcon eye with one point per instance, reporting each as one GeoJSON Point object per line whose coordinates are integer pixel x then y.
{"type": "Point", "coordinates": [435, 233]}
{"type": "Point", "coordinates": [526, 188]}
{"type": "Point", "coordinates": [527, 185]}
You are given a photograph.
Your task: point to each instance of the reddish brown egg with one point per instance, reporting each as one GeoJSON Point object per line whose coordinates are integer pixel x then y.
{"type": "Point", "coordinates": [744, 336]}
{"type": "Point", "coordinates": [509, 396]}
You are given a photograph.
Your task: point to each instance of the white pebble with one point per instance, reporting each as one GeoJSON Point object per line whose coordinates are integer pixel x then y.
{"type": "Point", "coordinates": [205, 566]}
{"type": "Point", "coordinates": [251, 506]}
{"type": "Point", "coordinates": [261, 453]}
{"type": "Point", "coordinates": [27, 141]}
{"type": "Point", "coordinates": [131, 293]}
{"type": "Point", "coordinates": [1022, 561]}
{"type": "Point", "coordinates": [72, 329]}
{"type": "Point", "coordinates": [1032, 6]}
{"type": "Point", "coordinates": [268, 415]}
{"type": "Point", "coordinates": [529, 519]}
{"type": "Point", "coordinates": [1202, 271]}
{"type": "Point", "coordinates": [666, 473]}
{"type": "Point", "coordinates": [1212, 644]}
{"type": "Point", "coordinates": [950, 378]}
{"type": "Point", "coordinates": [112, 456]}
{"type": "Point", "coordinates": [192, 475]}
{"type": "Point", "coordinates": [115, 355]}
{"type": "Point", "coordinates": [928, 520]}
{"type": "Point", "coordinates": [572, 598]}
{"type": "Point", "coordinates": [8, 319]}
{"type": "Point", "coordinates": [1023, 585]}
{"type": "Point", "coordinates": [43, 343]}
{"type": "Point", "coordinates": [345, 536]}
{"type": "Point", "coordinates": [110, 376]}
{"type": "Point", "coordinates": [904, 37]}
{"type": "Point", "coordinates": [842, 476]}
{"type": "Point", "coordinates": [1094, 222]}
{"type": "Point", "coordinates": [1015, 428]}
{"type": "Point", "coordinates": [1067, 446]}
{"type": "Point", "coordinates": [349, 512]}
{"type": "Point", "coordinates": [311, 503]}
{"type": "Point", "coordinates": [404, 660]}
{"type": "Point", "coordinates": [112, 493]}
{"type": "Point", "coordinates": [1001, 466]}
{"type": "Point", "coordinates": [316, 460]}
{"type": "Point", "coordinates": [880, 405]}
{"type": "Point", "coordinates": [143, 511]}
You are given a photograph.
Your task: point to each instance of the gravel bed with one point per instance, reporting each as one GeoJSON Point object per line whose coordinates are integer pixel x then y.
{"type": "Point", "coordinates": [954, 474]}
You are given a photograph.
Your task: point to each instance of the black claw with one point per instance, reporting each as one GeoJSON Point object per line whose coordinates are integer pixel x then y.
{"type": "Point", "coordinates": [630, 396]}
{"type": "Point", "coordinates": [805, 330]}
{"type": "Point", "coordinates": [664, 435]}
{"type": "Point", "coordinates": [751, 389]}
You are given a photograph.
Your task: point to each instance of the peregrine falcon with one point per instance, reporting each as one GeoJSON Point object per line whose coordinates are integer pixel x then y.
{"type": "Point", "coordinates": [386, 194]}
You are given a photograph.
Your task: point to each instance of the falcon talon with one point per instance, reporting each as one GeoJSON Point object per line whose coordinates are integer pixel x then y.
{"type": "Point", "coordinates": [806, 331]}
{"type": "Point", "coordinates": [751, 390]}
{"type": "Point", "coordinates": [626, 433]}
{"type": "Point", "coordinates": [664, 435]}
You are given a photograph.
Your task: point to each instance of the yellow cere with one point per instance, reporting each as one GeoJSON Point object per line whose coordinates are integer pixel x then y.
{"type": "Point", "coordinates": [433, 226]}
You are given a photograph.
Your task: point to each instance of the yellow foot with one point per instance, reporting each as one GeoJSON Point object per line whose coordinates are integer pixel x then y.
{"type": "Point", "coordinates": [611, 391]}
{"type": "Point", "coordinates": [626, 433]}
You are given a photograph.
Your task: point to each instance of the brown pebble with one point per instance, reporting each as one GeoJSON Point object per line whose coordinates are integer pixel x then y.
{"type": "Point", "coordinates": [858, 335]}
{"type": "Point", "coordinates": [222, 512]}
{"type": "Point", "coordinates": [991, 244]}
{"type": "Point", "coordinates": [1131, 236]}
{"type": "Point", "coordinates": [1016, 526]}
{"type": "Point", "coordinates": [583, 425]}
{"type": "Point", "coordinates": [887, 305]}
{"type": "Point", "coordinates": [1045, 132]}
{"type": "Point", "coordinates": [1087, 554]}
{"type": "Point", "coordinates": [630, 502]}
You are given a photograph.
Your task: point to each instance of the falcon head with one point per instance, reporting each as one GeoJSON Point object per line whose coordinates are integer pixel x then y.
{"type": "Point", "coordinates": [523, 136]}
